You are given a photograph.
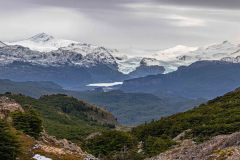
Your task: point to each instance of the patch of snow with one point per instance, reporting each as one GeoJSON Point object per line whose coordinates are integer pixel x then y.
{"type": "Point", "coordinates": [104, 84]}
{"type": "Point", "coordinates": [39, 157]}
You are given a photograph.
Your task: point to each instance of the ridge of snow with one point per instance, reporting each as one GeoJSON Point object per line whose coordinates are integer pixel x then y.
{"type": "Point", "coordinates": [43, 42]}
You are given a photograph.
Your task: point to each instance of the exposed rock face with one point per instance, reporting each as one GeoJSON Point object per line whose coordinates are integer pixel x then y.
{"type": "Point", "coordinates": [181, 136]}
{"type": "Point", "coordinates": [7, 106]}
{"type": "Point", "coordinates": [50, 144]}
{"type": "Point", "coordinates": [223, 147]}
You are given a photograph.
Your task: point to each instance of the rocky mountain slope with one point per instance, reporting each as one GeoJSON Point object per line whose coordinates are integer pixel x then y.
{"type": "Point", "coordinates": [222, 147]}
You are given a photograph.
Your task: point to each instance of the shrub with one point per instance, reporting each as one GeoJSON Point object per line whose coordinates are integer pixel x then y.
{"type": "Point", "coordinates": [110, 143]}
{"type": "Point", "coordinates": [28, 122]}
{"type": "Point", "coordinates": [156, 145]}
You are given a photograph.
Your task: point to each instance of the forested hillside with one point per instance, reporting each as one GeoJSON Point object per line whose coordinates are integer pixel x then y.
{"type": "Point", "coordinates": [67, 117]}
{"type": "Point", "coordinates": [219, 116]}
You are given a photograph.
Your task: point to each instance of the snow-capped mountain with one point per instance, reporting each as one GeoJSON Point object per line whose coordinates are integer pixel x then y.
{"type": "Point", "coordinates": [67, 68]}
{"type": "Point", "coordinates": [178, 56]}
{"type": "Point", "coordinates": [92, 54]}
{"type": "Point", "coordinates": [75, 65]}
{"type": "Point", "coordinates": [43, 42]}
{"type": "Point", "coordinates": [98, 56]}
{"type": "Point", "coordinates": [52, 51]}
{"type": "Point", "coordinates": [46, 50]}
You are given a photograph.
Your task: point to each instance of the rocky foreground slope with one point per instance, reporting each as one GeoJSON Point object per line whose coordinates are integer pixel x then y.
{"type": "Point", "coordinates": [44, 147]}
{"type": "Point", "coordinates": [222, 147]}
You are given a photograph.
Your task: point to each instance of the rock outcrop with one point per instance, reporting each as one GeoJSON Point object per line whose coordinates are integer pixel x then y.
{"type": "Point", "coordinates": [7, 106]}
{"type": "Point", "coordinates": [50, 144]}
{"type": "Point", "coordinates": [222, 147]}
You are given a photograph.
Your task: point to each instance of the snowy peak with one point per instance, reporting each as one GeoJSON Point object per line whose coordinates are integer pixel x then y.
{"type": "Point", "coordinates": [2, 44]}
{"type": "Point", "coordinates": [41, 37]}
{"type": "Point", "coordinates": [43, 43]}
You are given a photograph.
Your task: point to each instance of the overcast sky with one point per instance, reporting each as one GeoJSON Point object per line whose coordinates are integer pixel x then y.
{"type": "Point", "coordinates": [143, 24]}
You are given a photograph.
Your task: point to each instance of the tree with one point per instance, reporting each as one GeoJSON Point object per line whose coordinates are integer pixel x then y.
{"type": "Point", "coordinates": [28, 122]}
{"type": "Point", "coordinates": [9, 146]}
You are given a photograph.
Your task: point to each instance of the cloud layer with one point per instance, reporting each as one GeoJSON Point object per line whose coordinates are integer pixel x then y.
{"type": "Point", "coordinates": [149, 24]}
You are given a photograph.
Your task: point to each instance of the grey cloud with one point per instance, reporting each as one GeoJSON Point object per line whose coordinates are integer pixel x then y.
{"type": "Point", "coordinates": [114, 4]}
{"type": "Point", "coordinates": [230, 4]}
{"type": "Point", "coordinates": [112, 23]}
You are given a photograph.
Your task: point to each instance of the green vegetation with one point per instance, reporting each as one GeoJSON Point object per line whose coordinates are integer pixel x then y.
{"type": "Point", "coordinates": [9, 146]}
{"type": "Point", "coordinates": [66, 117]}
{"type": "Point", "coordinates": [218, 116]}
{"type": "Point", "coordinates": [137, 108]}
{"type": "Point", "coordinates": [28, 122]}
{"type": "Point", "coordinates": [156, 145]}
{"type": "Point", "coordinates": [113, 145]}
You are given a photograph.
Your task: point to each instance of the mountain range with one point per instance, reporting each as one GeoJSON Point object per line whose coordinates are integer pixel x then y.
{"type": "Point", "coordinates": [68, 63]}
{"type": "Point", "coordinates": [202, 79]}
{"type": "Point", "coordinates": [181, 75]}
{"type": "Point", "coordinates": [53, 51]}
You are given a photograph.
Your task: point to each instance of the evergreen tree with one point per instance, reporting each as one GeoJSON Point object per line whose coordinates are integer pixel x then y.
{"type": "Point", "coordinates": [9, 146]}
